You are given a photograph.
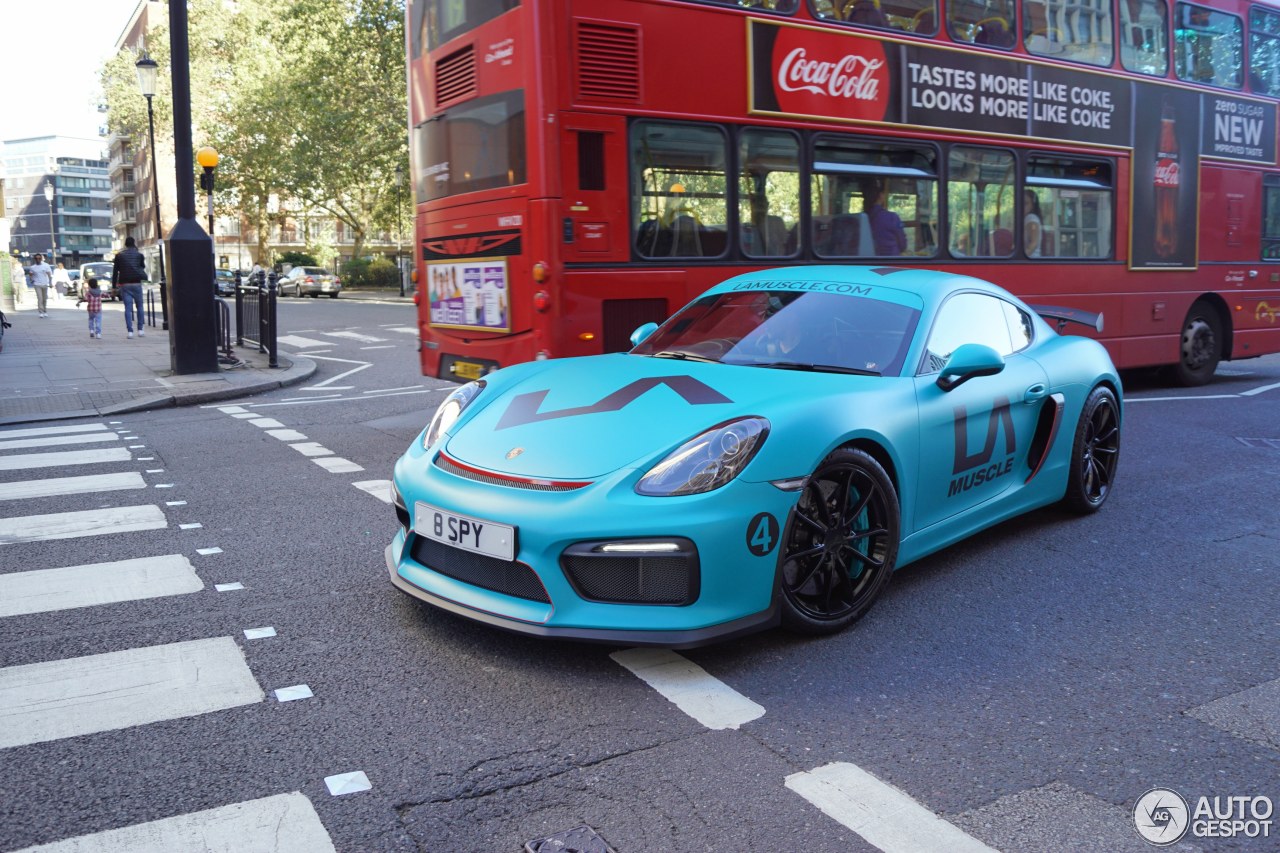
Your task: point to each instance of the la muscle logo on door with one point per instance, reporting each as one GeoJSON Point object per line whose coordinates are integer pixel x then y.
{"type": "Point", "coordinates": [970, 470]}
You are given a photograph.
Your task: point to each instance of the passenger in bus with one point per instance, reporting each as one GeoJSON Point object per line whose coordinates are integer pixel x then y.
{"type": "Point", "coordinates": [1032, 228]}
{"type": "Point", "coordinates": [887, 232]}
{"type": "Point", "coordinates": [766, 234]}
{"type": "Point", "coordinates": [867, 13]}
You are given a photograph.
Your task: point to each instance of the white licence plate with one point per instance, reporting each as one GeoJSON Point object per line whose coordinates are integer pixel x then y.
{"type": "Point", "coordinates": [462, 531]}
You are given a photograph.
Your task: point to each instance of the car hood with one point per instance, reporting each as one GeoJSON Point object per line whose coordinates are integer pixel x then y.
{"type": "Point", "coordinates": [582, 418]}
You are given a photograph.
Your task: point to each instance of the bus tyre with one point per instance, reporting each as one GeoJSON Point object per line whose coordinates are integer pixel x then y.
{"type": "Point", "coordinates": [1201, 345]}
{"type": "Point", "coordinates": [841, 544]}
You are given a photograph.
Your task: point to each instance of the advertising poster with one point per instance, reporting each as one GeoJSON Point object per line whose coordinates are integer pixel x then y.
{"type": "Point", "coordinates": [470, 294]}
{"type": "Point", "coordinates": [1238, 129]}
{"type": "Point", "coordinates": [1166, 176]}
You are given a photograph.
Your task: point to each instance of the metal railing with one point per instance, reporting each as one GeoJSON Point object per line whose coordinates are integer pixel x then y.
{"type": "Point", "coordinates": [224, 330]}
{"type": "Point", "coordinates": [256, 313]}
{"type": "Point", "coordinates": [151, 308]}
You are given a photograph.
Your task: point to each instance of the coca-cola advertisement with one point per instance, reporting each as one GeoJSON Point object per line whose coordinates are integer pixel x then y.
{"type": "Point", "coordinates": [1166, 137]}
{"type": "Point", "coordinates": [797, 74]}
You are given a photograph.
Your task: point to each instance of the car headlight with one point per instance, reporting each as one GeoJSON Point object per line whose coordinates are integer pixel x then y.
{"type": "Point", "coordinates": [447, 415]}
{"type": "Point", "coordinates": [706, 462]}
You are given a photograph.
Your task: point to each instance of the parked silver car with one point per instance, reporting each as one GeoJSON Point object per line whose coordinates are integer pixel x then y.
{"type": "Point", "coordinates": [310, 281]}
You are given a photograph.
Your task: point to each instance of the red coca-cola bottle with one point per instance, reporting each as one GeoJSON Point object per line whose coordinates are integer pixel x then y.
{"type": "Point", "coordinates": [1168, 180]}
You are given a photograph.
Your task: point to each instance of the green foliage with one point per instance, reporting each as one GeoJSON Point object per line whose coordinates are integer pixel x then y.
{"type": "Point", "coordinates": [365, 273]}
{"type": "Point", "coordinates": [298, 259]}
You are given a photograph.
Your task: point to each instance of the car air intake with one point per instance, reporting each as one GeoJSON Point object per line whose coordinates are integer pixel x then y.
{"type": "Point", "coordinates": [505, 576]}
{"type": "Point", "coordinates": [662, 571]}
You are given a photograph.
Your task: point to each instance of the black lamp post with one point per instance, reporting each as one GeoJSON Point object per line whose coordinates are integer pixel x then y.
{"type": "Point", "coordinates": [147, 68]}
{"type": "Point", "coordinates": [399, 224]}
{"type": "Point", "coordinates": [53, 238]}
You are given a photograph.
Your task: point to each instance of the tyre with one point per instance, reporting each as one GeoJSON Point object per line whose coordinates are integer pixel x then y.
{"type": "Point", "coordinates": [333, 296]}
{"type": "Point", "coordinates": [1201, 345]}
{"type": "Point", "coordinates": [1095, 453]}
{"type": "Point", "coordinates": [841, 544]}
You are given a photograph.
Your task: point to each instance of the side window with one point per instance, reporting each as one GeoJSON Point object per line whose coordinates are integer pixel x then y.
{"type": "Point", "coordinates": [1019, 323]}
{"type": "Point", "coordinates": [768, 193]}
{"type": "Point", "coordinates": [1067, 208]}
{"type": "Point", "coordinates": [986, 22]}
{"type": "Point", "coordinates": [679, 198]}
{"type": "Point", "coordinates": [872, 199]}
{"type": "Point", "coordinates": [1079, 30]}
{"type": "Point", "coordinates": [1271, 218]}
{"type": "Point", "coordinates": [967, 318]}
{"type": "Point", "coordinates": [981, 203]}
{"type": "Point", "coordinates": [909, 16]}
{"type": "Point", "coordinates": [1144, 39]}
{"type": "Point", "coordinates": [1208, 46]}
{"type": "Point", "coordinates": [1264, 51]}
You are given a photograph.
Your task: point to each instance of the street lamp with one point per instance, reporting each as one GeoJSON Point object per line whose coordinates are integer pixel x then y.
{"type": "Point", "coordinates": [147, 70]}
{"type": "Point", "coordinates": [399, 224]}
{"type": "Point", "coordinates": [53, 240]}
{"type": "Point", "coordinates": [207, 157]}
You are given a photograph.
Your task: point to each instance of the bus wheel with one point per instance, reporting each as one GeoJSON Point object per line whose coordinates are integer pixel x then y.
{"type": "Point", "coordinates": [1201, 345]}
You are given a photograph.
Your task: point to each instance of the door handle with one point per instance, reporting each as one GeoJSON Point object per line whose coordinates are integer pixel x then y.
{"type": "Point", "coordinates": [1035, 392]}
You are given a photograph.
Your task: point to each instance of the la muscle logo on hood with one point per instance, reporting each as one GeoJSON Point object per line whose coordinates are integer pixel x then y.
{"type": "Point", "coordinates": [524, 408]}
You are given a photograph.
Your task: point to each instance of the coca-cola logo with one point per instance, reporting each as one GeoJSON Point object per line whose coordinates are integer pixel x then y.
{"type": "Point", "coordinates": [837, 75]}
{"type": "Point", "coordinates": [1167, 173]}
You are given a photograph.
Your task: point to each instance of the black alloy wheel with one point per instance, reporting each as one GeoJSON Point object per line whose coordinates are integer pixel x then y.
{"type": "Point", "coordinates": [1095, 453]}
{"type": "Point", "coordinates": [841, 545]}
{"type": "Point", "coordinates": [1201, 345]}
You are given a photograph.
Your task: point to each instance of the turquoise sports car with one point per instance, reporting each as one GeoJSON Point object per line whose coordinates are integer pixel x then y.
{"type": "Point", "coordinates": [767, 456]}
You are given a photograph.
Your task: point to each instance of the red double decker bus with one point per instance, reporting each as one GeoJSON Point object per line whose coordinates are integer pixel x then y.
{"type": "Point", "coordinates": [581, 168]}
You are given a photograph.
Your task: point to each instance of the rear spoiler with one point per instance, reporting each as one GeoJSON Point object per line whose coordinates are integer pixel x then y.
{"type": "Point", "coordinates": [1069, 315]}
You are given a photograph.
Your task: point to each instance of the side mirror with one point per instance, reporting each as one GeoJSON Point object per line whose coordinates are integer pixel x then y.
{"type": "Point", "coordinates": [968, 361]}
{"type": "Point", "coordinates": [643, 332]}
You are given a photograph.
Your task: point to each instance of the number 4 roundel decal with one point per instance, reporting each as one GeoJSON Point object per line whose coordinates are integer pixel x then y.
{"type": "Point", "coordinates": [762, 534]}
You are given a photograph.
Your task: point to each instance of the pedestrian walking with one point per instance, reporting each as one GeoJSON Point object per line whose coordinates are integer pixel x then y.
{"type": "Point", "coordinates": [61, 280]}
{"type": "Point", "coordinates": [41, 275]}
{"type": "Point", "coordinates": [93, 299]}
{"type": "Point", "coordinates": [129, 270]}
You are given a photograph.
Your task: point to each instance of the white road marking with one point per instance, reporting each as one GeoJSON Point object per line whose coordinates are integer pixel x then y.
{"type": "Point", "coordinates": [285, 823]}
{"type": "Point", "coordinates": [884, 816]}
{"type": "Point", "coordinates": [41, 702]}
{"type": "Point", "coordinates": [355, 336]}
{"type": "Point", "coordinates": [290, 694]}
{"type": "Point", "coordinates": [246, 415]}
{"type": "Point", "coordinates": [342, 399]}
{"type": "Point", "coordinates": [228, 587]}
{"type": "Point", "coordinates": [364, 365]}
{"type": "Point", "coordinates": [92, 522]}
{"type": "Point", "coordinates": [312, 448]}
{"type": "Point", "coordinates": [337, 465]}
{"type": "Point", "coordinates": [23, 489]}
{"type": "Point", "coordinates": [383, 346]}
{"type": "Point", "coordinates": [404, 330]}
{"type": "Point", "coordinates": [259, 633]}
{"type": "Point", "coordinates": [347, 783]}
{"type": "Point", "coordinates": [22, 461]}
{"type": "Point", "coordinates": [267, 423]}
{"type": "Point", "coordinates": [380, 489]}
{"type": "Point", "coordinates": [690, 688]}
{"type": "Point", "coordinates": [195, 525]}
{"type": "Point", "coordinates": [60, 430]}
{"type": "Point", "coordinates": [231, 410]}
{"type": "Point", "coordinates": [286, 434]}
{"type": "Point", "coordinates": [314, 352]}
{"type": "Point", "coordinates": [205, 552]}
{"type": "Point", "coordinates": [299, 342]}
{"type": "Point", "coordinates": [386, 390]}
{"type": "Point", "coordinates": [1264, 388]}
{"type": "Point", "coordinates": [69, 587]}
{"type": "Point", "coordinates": [175, 503]}
{"type": "Point", "coordinates": [55, 440]}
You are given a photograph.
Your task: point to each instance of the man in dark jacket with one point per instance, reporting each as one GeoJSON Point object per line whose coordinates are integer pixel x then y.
{"type": "Point", "coordinates": [128, 271]}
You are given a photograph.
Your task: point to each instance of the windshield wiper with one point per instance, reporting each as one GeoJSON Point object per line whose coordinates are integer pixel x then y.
{"type": "Point", "coordinates": [818, 368]}
{"type": "Point", "coordinates": [684, 356]}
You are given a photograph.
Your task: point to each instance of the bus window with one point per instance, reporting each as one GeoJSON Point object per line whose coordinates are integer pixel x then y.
{"type": "Point", "coordinates": [1208, 46]}
{"type": "Point", "coordinates": [980, 203]}
{"type": "Point", "coordinates": [768, 193]}
{"type": "Point", "coordinates": [1271, 218]}
{"type": "Point", "coordinates": [785, 7]}
{"type": "Point", "coordinates": [910, 16]}
{"type": "Point", "coordinates": [1073, 200]}
{"type": "Point", "coordinates": [985, 22]}
{"type": "Point", "coordinates": [447, 19]}
{"type": "Point", "coordinates": [1264, 52]}
{"type": "Point", "coordinates": [474, 146]}
{"type": "Point", "coordinates": [872, 199]}
{"type": "Point", "coordinates": [1144, 40]}
{"type": "Point", "coordinates": [1079, 31]}
{"type": "Point", "coordinates": [680, 203]}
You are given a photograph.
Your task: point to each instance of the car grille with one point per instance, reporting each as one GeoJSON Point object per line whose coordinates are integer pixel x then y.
{"type": "Point", "coordinates": [505, 576]}
{"type": "Point", "coordinates": [632, 578]}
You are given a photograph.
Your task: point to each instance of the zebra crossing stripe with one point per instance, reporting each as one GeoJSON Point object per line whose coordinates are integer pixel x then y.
{"type": "Point", "coordinates": [46, 590]}
{"type": "Point", "coordinates": [69, 525]}
{"type": "Point", "coordinates": [41, 702]}
{"type": "Point", "coordinates": [22, 461]}
{"type": "Point", "coordinates": [355, 336]}
{"type": "Point", "coordinates": [55, 440]}
{"type": "Point", "coordinates": [52, 487]}
{"type": "Point", "coordinates": [59, 430]}
{"type": "Point", "coordinates": [380, 489]}
{"type": "Point", "coordinates": [284, 823]}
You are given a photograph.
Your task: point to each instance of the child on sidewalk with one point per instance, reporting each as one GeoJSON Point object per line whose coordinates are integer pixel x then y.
{"type": "Point", "coordinates": [93, 296]}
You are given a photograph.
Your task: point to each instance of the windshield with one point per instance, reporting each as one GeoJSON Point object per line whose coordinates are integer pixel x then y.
{"type": "Point", "coordinates": [474, 146]}
{"type": "Point", "coordinates": [768, 328]}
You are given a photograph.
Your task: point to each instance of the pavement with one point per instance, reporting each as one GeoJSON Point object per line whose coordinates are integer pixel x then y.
{"type": "Point", "coordinates": [51, 369]}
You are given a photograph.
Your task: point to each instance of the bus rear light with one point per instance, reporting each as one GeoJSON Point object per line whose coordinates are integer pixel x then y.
{"type": "Point", "coordinates": [413, 275]}
{"type": "Point", "coordinates": [540, 272]}
{"type": "Point", "coordinates": [541, 301]}
{"type": "Point", "coordinates": [587, 336]}
{"type": "Point", "coordinates": [417, 297]}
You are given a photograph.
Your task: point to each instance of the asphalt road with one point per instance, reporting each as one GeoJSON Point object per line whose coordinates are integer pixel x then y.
{"type": "Point", "coordinates": [1027, 686]}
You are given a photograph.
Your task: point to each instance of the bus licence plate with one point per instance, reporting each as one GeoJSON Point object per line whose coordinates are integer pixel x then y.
{"type": "Point", "coordinates": [477, 535]}
{"type": "Point", "coordinates": [466, 369]}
